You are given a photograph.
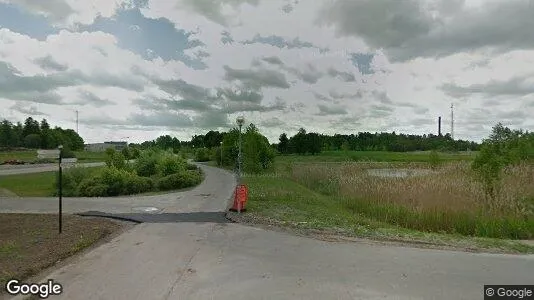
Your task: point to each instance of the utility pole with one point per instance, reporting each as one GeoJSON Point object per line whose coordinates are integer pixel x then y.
{"type": "Point", "coordinates": [452, 121]}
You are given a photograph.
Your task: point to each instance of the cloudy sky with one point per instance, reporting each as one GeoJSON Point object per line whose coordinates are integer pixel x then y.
{"type": "Point", "coordinates": [142, 68]}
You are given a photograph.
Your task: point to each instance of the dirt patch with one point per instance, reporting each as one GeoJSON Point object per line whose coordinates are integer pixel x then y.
{"type": "Point", "coordinates": [341, 236]}
{"type": "Point", "coordinates": [30, 243]}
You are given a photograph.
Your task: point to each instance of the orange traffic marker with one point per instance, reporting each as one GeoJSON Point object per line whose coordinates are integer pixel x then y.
{"type": "Point", "coordinates": [240, 198]}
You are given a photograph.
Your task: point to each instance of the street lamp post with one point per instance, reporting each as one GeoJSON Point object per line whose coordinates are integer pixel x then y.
{"type": "Point", "coordinates": [240, 121]}
{"type": "Point", "coordinates": [221, 153]}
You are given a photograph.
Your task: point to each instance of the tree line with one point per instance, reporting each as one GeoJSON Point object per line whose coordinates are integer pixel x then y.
{"type": "Point", "coordinates": [313, 143]}
{"type": "Point", "coordinates": [33, 134]}
{"type": "Point", "coordinates": [304, 142]}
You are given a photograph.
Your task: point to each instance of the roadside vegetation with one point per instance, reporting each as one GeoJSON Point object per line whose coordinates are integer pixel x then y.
{"type": "Point", "coordinates": [152, 171]}
{"type": "Point", "coordinates": [479, 199]}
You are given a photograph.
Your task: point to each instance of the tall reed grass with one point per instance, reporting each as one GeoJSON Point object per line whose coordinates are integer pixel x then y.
{"type": "Point", "coordinates": [449, 199]}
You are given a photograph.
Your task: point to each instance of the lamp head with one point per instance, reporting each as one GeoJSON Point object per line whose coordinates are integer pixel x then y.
{"type": "Point", "coordinates": [60, 147]}
{"type": "Point", "coordinates": [240, 120]}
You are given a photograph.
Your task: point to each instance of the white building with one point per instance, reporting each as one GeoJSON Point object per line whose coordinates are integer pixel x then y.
{"type": "Point", "coordinates": [101, 147]}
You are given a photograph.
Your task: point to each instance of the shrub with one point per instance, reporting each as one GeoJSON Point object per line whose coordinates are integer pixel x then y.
{"type": "Point", "coordinates": [146, 164]}
{"type": "Point", "coordinates": [116, 180]}
{"type": "Point", "coordinates": [434, 159]}
{"type": "Point", "coordinates": [202, 155]}
{"type": "Point", "coordinates": [67, 153]}
{"type": "Point", "coordinates": [191, 167]}
{"type": "Point", "coordinates": [168, 165]}
{"type": "Point", "coordinates": [126, 153]}
{"type": "Point", "coordinates": [72, 178]}
{"type": "Point", "coordinates": [136, 185]}
{"type": "Point", "coordinates": [179, 180]}
{"type": "Point", "coordinates": [92, 187]}
{"type": "Point", "coordinates": [134, 153]}
{"type": "Point", "coordinates": [116, 160]}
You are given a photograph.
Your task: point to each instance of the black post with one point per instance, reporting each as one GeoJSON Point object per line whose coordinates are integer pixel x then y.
{"type": "Point", "coordinates": [439, 126]}
{"type": "Point", "coordinates": [60, 191]}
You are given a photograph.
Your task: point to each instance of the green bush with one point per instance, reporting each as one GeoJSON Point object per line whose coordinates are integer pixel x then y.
{"type": "Point", "coordinates": [117, 160]}
{"type": "Point", "coordinates": [67, 153]}
{"type": "Point", "coordinates": [202, 155]}
{"type": "Point", "coordinates": [191, 167]}
{"type": "Point", "coordinates": [72, 178]}
{"type": "Point", "coordinates": [126, 153]}
{"type": "Point", "coordinates": [146, 164]}
{"type": "Point", "coordinates": [180, 180]}
{"type": "Point", "coordinates": [137, 185]}
{"type": "Point", "coordinates": [92, 187]}
{"type": "Point", "coordinates": [170, 164]}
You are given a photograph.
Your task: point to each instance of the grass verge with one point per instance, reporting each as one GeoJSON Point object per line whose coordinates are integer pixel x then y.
{"type": "Point", "coordinates": [30, 243]}
{"type": "Point", "coordinates": [32, 184]}
{"type": "Point", "coordinates": [31, 155]}
{"type": "Point", "coordinates": [277, 201]}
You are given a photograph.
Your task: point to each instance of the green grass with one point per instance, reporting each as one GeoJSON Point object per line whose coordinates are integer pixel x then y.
{"type": "Point", "coordinates": [30, 185]}
{"type": "Point", "coordinates": [289, 204]}
{"type": "Point", "coordinates": [31, 155]}
{"type": "Point", "coordinates": [18, 155]}
{"type": "Point", "coordinates": [378, 156]}
{"type": "Point", "coordinates": [84, 156]}
{"type": "Point", "coordinates": [33, 184]}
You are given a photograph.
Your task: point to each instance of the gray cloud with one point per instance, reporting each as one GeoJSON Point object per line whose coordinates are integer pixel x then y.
{"type": "Point", "coordinates": [93, 100]}
{"type": "Point", "coordinates": [48, 63]}
{"type": "Point", "coordinates": [256, 79]}
{"type": "Point", "coordinates": [282, 43]}
{"type": "Point", "coordinates": [240, 95]}
{"type": "Point", "coordinates": [227, 38]}
{"type": "Point", "coordinates": [274, 60]}
{"type": "Point", "coordinates": [234, 107]}
{"type": "Point", "coordinates": [213, 10]}
{"type": "Point", "coordinates": [345, 76]}
{"type": "Point", "coordinates": [325, 110]}
{"type": "Point", "coordinates": [27, 110]}
{"type": "Point", "coordinates": [321, 97]}
{"type": "Point", "coordinates": [516, 86]}
{"type": "Point", "coordinates": [161, 119]}
{"type": "Point", "coordinates": [272, 123]}
{"type": "Point", "coordinates": [336, 95]}
{"type": "Point", "coordinates": [382, 97]}
{"type": "Point", "coordinates": [309, 75]}
{"type": "Point", "coordinates": [181, 88]}
{"type": "Point", "coordinates": [410, 29]}
{"type": "Point", "coordinates": [41, 88]}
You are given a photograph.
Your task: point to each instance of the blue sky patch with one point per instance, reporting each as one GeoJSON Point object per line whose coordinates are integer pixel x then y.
{"type": "Point", "coordinates": [138, 34]}
{"type": "Point", "coordinates": [363, 62]}
{"type": "Point", "coordinates": [17, 20]}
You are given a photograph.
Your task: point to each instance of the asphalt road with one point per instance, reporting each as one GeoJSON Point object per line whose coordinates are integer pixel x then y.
{"type": "Point", "coordinates": [188, 251]}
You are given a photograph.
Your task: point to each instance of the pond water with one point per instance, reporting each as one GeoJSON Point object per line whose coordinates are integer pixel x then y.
{"type": "Point", "coordinates": [397, 173]}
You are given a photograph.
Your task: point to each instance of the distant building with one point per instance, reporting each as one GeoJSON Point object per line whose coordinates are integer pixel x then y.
{"type": "Point", "coordinates": [101, 147]}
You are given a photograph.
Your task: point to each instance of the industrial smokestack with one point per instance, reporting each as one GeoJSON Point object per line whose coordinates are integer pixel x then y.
{"type": "Point", "coordinates": [439, 126]}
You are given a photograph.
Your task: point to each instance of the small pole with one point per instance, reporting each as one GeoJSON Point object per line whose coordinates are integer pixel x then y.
{"type": "Point", "coordinates": [221, 154]}
{"type": "Point", "coordinates": [60, 190]}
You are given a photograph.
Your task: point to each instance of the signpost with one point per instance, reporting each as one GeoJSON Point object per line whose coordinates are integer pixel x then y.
{"type": "Point", "coordinates": [60, 189]}
{"type": "Point", "coordinates": [53, 154]}
{"type": "Point", "coordinates": [56, 154]}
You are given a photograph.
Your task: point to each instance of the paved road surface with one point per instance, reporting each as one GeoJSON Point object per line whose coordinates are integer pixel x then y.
{"type": "Point", "coordinates": [190, 253]}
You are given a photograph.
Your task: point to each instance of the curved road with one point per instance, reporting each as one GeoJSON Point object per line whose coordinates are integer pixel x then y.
{"type": "Point", "coordinates": [206, 258]}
